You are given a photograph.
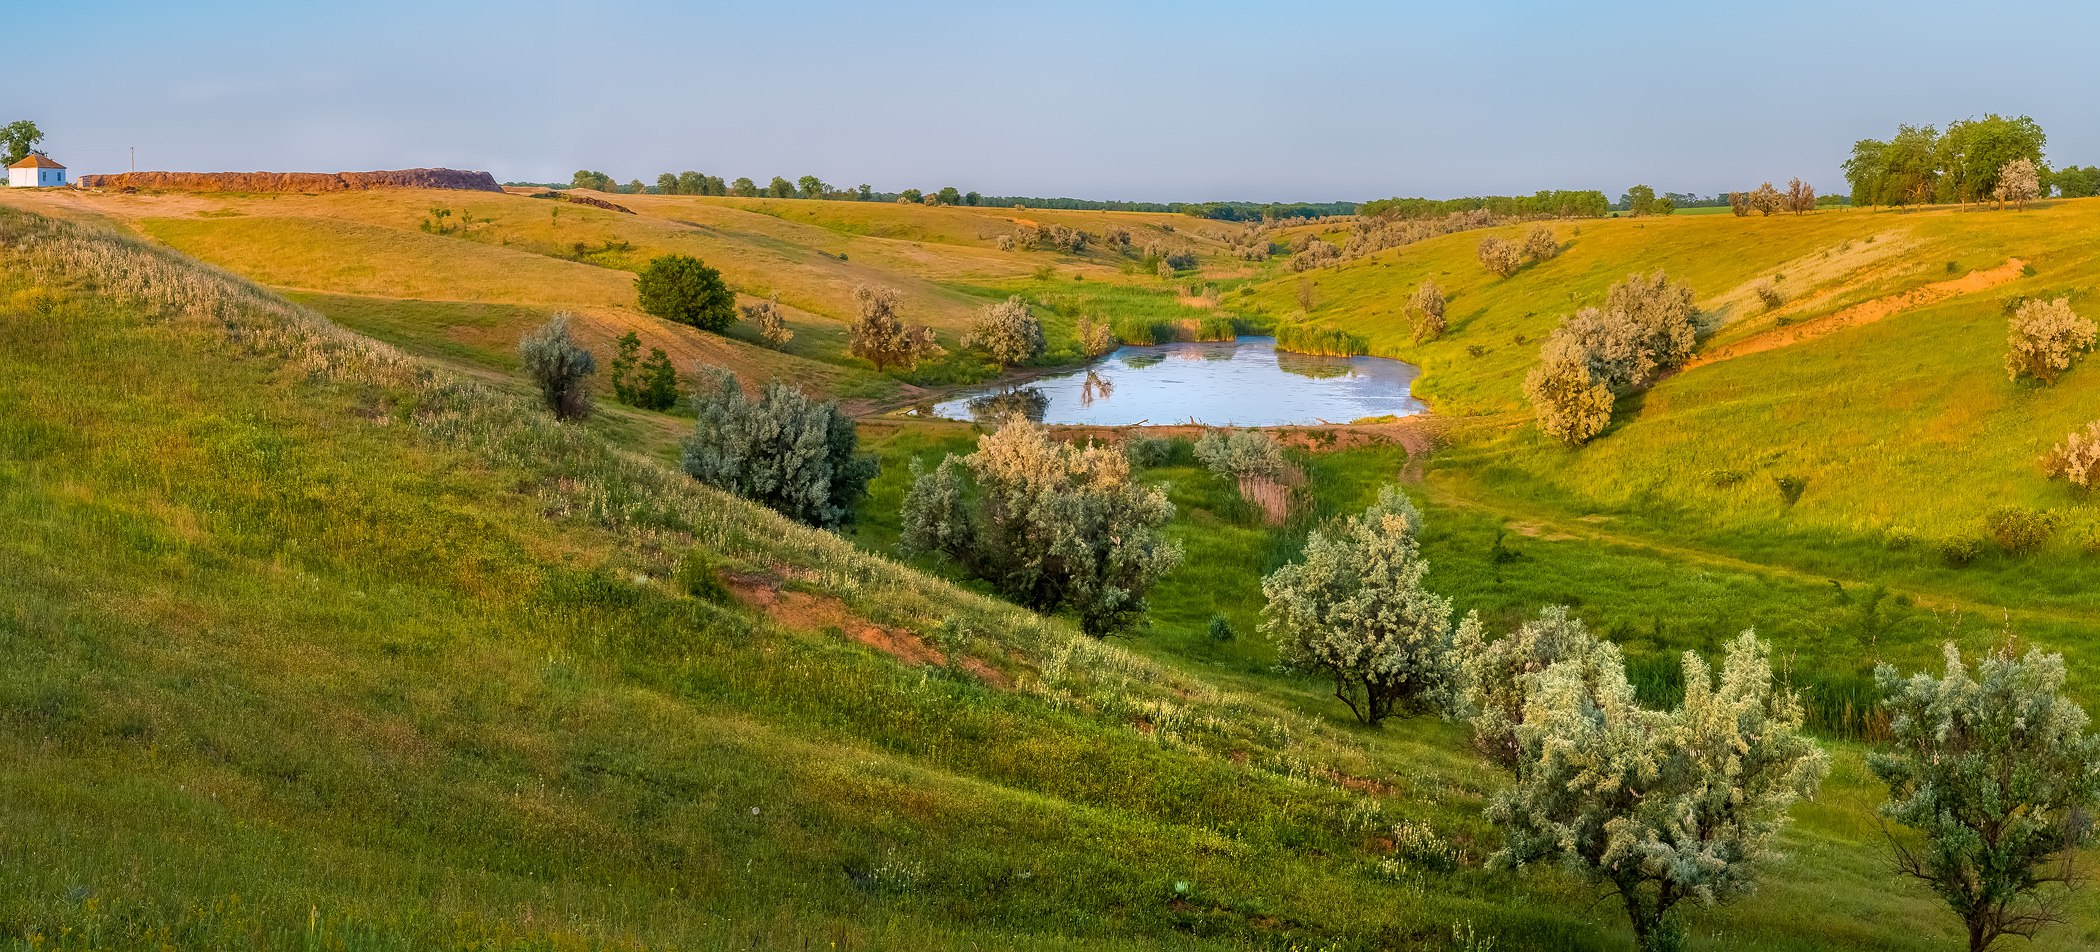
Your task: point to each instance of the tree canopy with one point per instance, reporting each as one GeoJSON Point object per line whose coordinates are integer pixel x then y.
{"type": "Point", "coordinates": [683, 289]}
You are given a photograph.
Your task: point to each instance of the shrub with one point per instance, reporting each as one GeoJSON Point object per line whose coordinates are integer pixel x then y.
{"type": "Point", "coordinates": [1769, 295]}
{"type": "Point", "coordinates": [1960, 550]}
{"type": "Point", "coordinates": [1800, 197]}
{"type": "Point", "coordinates": [1353, 610]}
{"type": "Point", "coordinates": [1095, 337]}
{"type": "Point", "coordinates": [1995, 773]}
{"type": "Point", "coordinates": [698, 577]}
{"type": "Point", "coordinates": [1051, 525]}
{"type": "Point", "coordinates": [880, 336]}
{"type": "Point", "coordinates": [2045, 338]}
{"type": "Point", "coordinates": [790, 453]}
{"type": "Point", "coordinates": [1147, 452]}
{"type": "Point", "coordinates": [2018, 529]}
{"type": "Point", "coordinates": [1766, 199]}
{"type": "Point", "coordinates": [1426, 308]}
{"type": "Point", "coordinates": [1657, 805]}
{"type": "Point", "coordinates": [1315, 254]}
{"type": "Point", "coordinates": [559, 367]}
{"type": "Point", "coordinates": [1499, 256]}
{"type": "Point", "coordinates": [1572, 403]}
{"type": "Point", "coordinates": [2077, 458]}
{"type": "Point", "coordinates": [1007, 332]}
{"type": "Point", "coordinates": [1539, 243]}
{"type": "Point", "coordinates": [650, 384]}
{"type": "Point", "coordinates": [1790, 488]}
{"type": "Point", "coordinates": [1241, 454]}
{"type": "Point", "coordinates": [680, 288]}
{"type": "Point", "coordinates": [1739, 203]}
{"type": "Point", "coordinates": [772, 323]}
{"type": "Point", "coordinates": [1494, 675]}
{"type": "Point", "coordinates": [1220, 629]}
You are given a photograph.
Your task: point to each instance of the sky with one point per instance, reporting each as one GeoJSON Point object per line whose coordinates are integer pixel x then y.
{"type": "Point", "coordinates": [1133, 100]}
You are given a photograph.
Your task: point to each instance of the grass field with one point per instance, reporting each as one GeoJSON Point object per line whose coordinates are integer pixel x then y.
{"type": "Point", "coordinates": [319, 643]}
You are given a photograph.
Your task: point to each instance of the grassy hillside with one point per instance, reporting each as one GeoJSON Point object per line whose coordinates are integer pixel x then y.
{"type": "Point", "coordinates": [319, 642]}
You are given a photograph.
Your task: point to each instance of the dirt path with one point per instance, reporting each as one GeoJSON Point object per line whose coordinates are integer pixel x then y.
{"type": "Point", "coordinates": [1863, 313]}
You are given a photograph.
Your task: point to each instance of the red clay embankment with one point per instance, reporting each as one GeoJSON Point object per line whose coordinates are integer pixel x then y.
{"type": "Point", "coordinates": [295, 181]}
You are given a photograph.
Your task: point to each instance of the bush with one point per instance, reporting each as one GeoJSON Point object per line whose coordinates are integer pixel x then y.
{"type": "Point", "coordinates": [794, 455]}
{"type": "Point", "coordinates": [1769, 295]}
{"type": "Point", "coordinates": [1539, 243]}
{"type": "Point", "coordinates": [680, 288]}
{"type": "Point", "coordinates": [1148, 452]}
{"type": "Point", "coordinates": [1353, 611]}
{"type": "Point", "coordinates": [1051, 525]}
{"type": "Point", "coordinates": [1958, 551]}
{"type": "Point", "coordinates": [1220, 629]}
{"type": "Point", "coordinates": [559, 367]}
{"type": "Point", "coordinates": [880, 336]}
{"type": "Point", "coordinates": [772, 324]}
{"type": "Point", "coordinates": [2077, 458]}
{"type": "Point", "coordinates": [1426, 309]}
{"type": "Point", "coordinates": [1499, 256]}
{"type": "Point", "coordinates": [647, 384]}
{"type": "Point", "coordinates": [698, 577]}
{"type": "Point", "coordinates": [1095, 337]}
{"type": "Point", "coordinates": [1242, 454]}
{"type": "Point", "coordinates": [1007, 332]}
{"type": "Point", "coordinates": [1494, 675]}
{"type": "Point", "coordinates": [2018, 529]}
{"type": "Point", "coordinates": [2045, 338]}
{"type": "Point", "coordinates": [1573, 404]}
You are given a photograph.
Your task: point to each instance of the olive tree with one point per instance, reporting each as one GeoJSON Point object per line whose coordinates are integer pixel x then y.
{"type": "Point", "coordinates": [1995, 777]}
{"type": "Point", "coordinates": [1494, 676]}
{"type": "Point", "coordinates": [1658, 806]}
{"type": "Point", "coordinates": [1573, 404]}
{"type": "Point", "coordinates": [1095, 336]}
{"type": "Point", "coordinates": [1007, 332]}
{"type": "Point", "coordinates": [1353, 611]}
{"type": "Point", "coordinates": [1661, 321]}
{"type": "Point", "coordinates": [683, 289]}
{"type": "Point", "coordinates": [1540, 244]}
{"type": "Point", "coordinates": [772, 323]}
{"type": "Point", "coordinates": [1426, 309]}
{"type": "Point", "coordinates": [1800, 196]}
{"type": "Point", "coordinates": [1241, 454]}
{"type": "Point", "coordinates": [880, 336]}
{"type": "Point", "coordinates": [2077, 458]}
{"type": "Point", "coordinates": [560, 367]}
{"type": "Point", "coordinates": [2045, 338]}
{"type": "Point", "coordinates": [1766, 199]}
{"type": "Point", "coordinates": [1499, 256]}
{"type": "Point", "coordinates": [793, 454]}
{"type": "Point", "coordinates": [1051, 525]}
{"type": "Point", "coordinates": [2019, 182]}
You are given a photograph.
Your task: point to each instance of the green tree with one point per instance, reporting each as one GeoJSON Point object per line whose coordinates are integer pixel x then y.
{"type": "Point", "coordinates": [2075, 182]}
{"type": "Point", "coordinates": [17, 138]}
{"type": "Point", "coordinates": [743, 187]}
{"type": "Point", "coordinates": [1353, 611]}
{"type": "Point", "coordinates": [949, 196]}
{"type": "Point", "coordinates": [1053, 526]}
{"type": "Point", "coordinates": [560, 367]}
{"type": "Point", "coordinates": [626, 356]}
{"type": "Point", "coordinates": [866, 192]}
{"type": "Point", "coordinates": [692, 183]}
{"type": "Point", "coordinates": [1996, 777]}
{"type": "Point", "coordinates": [658, 384]}
{"type": "Point", "coordinates": [1639, 200]}
{"type": "Point", "coordinates": [667, 184]}
{"type": "Point", "coordinates": [1661, 806]}
{"type": "Point", "coordinates": [1573, 405]}
{"type": "Point", "coordinates": [1495, 676]}
{"type": "Point", "coordinates": [680, 288]}
{"type": "Point", "coordinates": [1007, 332]}
{"type": "Point", "coordinates": [911, 195]}
{"type": "Point", "coordinates": [1972, 152]}
{"type": "Point", "coordinates": [811, 186]}
{"type": "Point", "coordinates": [972, 198]}
{"type": "Point", "coordinates": [879, 335]}
{"type": "Point", "coordinates": [781, 188]}
{"type": "Point", "coordinates": [599, 181]}
{"type": "Point", "coordinates": [797, 456]}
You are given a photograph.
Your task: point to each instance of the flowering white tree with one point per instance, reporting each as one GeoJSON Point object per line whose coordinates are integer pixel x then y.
{"type": "Point", "coordinates": [2044, 339]}
{"type": "Point", "coordinates": [2077, 458]}
{"type": "Point", "coordinates": [1995, 773]}
{"type": "Point", "coordinates": [1007, 332]}
{"type": "Point", "coordinates": [1661, 806]}
{"type": "Point", "coordinates": [2019, 182]}
{"type": "Point", "coordinates": [1354, 611]}
{"type": "Point", "coordinates": [1494, 676]}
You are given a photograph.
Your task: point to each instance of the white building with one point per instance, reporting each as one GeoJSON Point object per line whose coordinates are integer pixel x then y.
{"type": "Point", "coordinates": [36, 170]}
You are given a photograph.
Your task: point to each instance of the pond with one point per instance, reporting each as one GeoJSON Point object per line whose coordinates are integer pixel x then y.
{"type": "Point", "coordinates": [1247, 382]}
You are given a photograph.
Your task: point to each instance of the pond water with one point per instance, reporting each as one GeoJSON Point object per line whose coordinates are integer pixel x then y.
{"type": "Point", "coordinates": [1247, 382]}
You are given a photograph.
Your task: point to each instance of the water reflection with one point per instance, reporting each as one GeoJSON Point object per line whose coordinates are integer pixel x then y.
{"type": "Point", "coordinates": [1246, 383]}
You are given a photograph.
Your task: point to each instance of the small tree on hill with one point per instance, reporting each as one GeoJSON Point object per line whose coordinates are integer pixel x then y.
{"type": "Point", "coordinates": [771, 322]}
{"type": "Point", "coordinates": [880, 336]}
{"type": "Point", "coordinates": [627, 358]}
{"type": "Point", "coordinates": [1052, 525]}
{"type": "Point", "coordinates": [790, 453]}
{"type": "Point", "coordinates": [1739, 203]}
{"type": "Point", "coordinates": [743, 187]}
{"type": "Point", "coordinates": [658, 382]}
{"type": "Point", "coordinates": [1639, 200]}
{"type": "Point", "coordinates": [17, 139]}
{"type": "Point", "coordinates": [1662, 317]}
{"type": "Point", "coordinates": [1095, 336]}
{"type": "Point", "coordinates": [682, 289]}
{"type": "Point", "coordinates": [1997, 777]}
{"type": "Point", "coordinates": [1661, 806]}
{"type": "Point", "coordinates": [692, 183]}
{"type": "Point", "coordinates": [780, 188]}
{"type": "Point", "coordinates": [1572, 404]}
{"type": "Point", "coordinates": [1426, 310]}
{"type": "Point", "coordinates": [949, 196]}
{"type": "Point", "coordinates": [1353, 611]}
{"type": "Point", "coordinates": [560, 367]}
{"type": "Point", "coordinates": [810, 186]}
{"type": "Point", "coordinates": [1499, 256]}
{"type": "Point", "coordinates": [1007, 332]}
{"type": "Point", "coordinates": [1800, 196]}
{"type": "Point", "coordinates": [2019, 182]}
{"type": "Point", "coordinates": [585, 178]}
{"type": "Point", "coordinates": [2045, 338]}
{"type": "Point", "coordinates": [1539, 243]}
{"type": "Point", "coordinates": [1495, 676]}
{"type": "Point", "coordinates": [1767, 199]}
{"type": "Point", "coordinates": [911, 196]}
{"type": "Point", "coordinates": [2077, 458]}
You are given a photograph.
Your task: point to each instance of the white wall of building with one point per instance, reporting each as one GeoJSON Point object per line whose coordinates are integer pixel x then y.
{"type": "Point", "coordinates": [36, 178]}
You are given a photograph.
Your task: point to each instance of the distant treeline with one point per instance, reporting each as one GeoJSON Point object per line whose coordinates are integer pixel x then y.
{"type": "Point", "coordinates": [1588, 203]}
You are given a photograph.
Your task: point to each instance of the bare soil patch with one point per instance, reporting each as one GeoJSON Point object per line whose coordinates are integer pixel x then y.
{"type": "Point", "coordinates": [1866, 312]}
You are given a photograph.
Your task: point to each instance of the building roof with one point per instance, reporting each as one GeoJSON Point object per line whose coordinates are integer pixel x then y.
{"type": "Point", "coordinates": [36, 160]}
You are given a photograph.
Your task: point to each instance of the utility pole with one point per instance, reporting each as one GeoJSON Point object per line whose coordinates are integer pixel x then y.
{"type": "Point", "coordinates": [134, 158]}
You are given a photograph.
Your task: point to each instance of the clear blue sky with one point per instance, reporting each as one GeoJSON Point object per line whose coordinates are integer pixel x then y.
{"type": "Point", "coordinates": [1134, 100]}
